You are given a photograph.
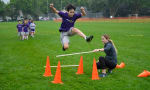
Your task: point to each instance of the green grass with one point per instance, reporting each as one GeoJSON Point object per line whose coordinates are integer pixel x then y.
{"type": "Point", "coordinates": [21, 62]}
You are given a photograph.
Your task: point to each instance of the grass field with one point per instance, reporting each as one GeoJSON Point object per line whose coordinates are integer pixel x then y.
{"type": "Point", "coordinates": [22, 62]}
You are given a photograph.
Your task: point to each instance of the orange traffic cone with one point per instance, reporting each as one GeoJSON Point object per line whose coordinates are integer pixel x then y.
{"type": "Point", "coordinates": [118, 66]}
{"type": "Point", "coordinates": [94, 72]}
{"type": "Point", "coordinates": [57, 79]}
{"type": "Point", "coordinates": [148, 73]}
{"type": "Point", "coordinates": [80, 68]}
{"type": "Point", "coordinates": [122, 64]}
{"type": "Point", "coordinates": [47, 68]}
{"type": "Point", "coordinates": [143, 74]}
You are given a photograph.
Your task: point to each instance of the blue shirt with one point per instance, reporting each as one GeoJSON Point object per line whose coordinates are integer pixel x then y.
{"type": "Point", "coordinates": [19, 27]}
{"type": "Point", "coordinates": [67, 22]}
{"type": "Point", "coordinates": [25, 28]}
{"type": "Point", "coordinates": [29, 22]}
{"type": "Point", "coordinates": [110, 52]}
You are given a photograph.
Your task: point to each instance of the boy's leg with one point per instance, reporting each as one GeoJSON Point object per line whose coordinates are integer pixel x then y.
{"type": "Point", "coordinates": [64, 40]}
{"type": "Point", "coordinates": [27, 34]}
{"type": "Point", "coordinates": [22, 35]}
{"type": "Point", "coordinates": [65, 46]}
{"type": "Point", "coordinates": [32, 35]}
{"type": "Point", "coordinates": [78, 32]}
{"type": "Point", "coordinates": [32, 32]}
{"type": "Point", "coordinates": [19, 35]}
{"type": "Point", "coordinates": [27, 37]}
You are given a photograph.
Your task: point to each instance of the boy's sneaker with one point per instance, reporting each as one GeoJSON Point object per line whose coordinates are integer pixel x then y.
{"type": "Point", "coordinates": [63, 48]}
{"type": "Point", "coordinates": [88, 39]}
{"type": "Point", "coordinates": [103, 75]}
{"type": "Point", "coordinates": [109, 71]}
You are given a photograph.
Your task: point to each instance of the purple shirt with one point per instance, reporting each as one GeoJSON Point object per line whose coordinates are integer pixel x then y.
{"type": "Point", "coordinates": [25, 28]}
{"type": "Point", "coordinates": [29, 22]}
{"type": "Point", "coordinates": [19, 27]}
{"type": "Point", "coordinates": [67, 22]}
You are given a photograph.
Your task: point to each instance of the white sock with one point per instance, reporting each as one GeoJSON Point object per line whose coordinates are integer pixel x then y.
{"type": "Point", "coordinates": [27, 37]}
{"type": "Point", "coordinates": [22, 37]}
{"type": "Point", "coordinates": [85, 37]}
{"type": "Point", "coordinates": [32, 35]}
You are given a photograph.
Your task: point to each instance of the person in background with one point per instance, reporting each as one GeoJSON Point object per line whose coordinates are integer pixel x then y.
{"type": "Point", "coordinates": [32, 28]}
{"type": "Point", "coordinates": [20, 32]}
{"type": "Point", "coordinates": [29, 22]}
{"type": "Point", "coordinates": [25, 29]}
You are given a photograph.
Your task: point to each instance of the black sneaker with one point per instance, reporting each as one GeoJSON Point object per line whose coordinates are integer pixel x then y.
{"type": "Point", "coordinates": [88, 39]}
{"type": "Point", "coordinates": [63, 48]}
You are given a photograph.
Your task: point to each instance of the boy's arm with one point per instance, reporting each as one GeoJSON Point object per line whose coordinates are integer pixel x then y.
{"type": "Point", "coordinates": [53, 8]}
{"type": "Point", "coordinates": [82, 11]}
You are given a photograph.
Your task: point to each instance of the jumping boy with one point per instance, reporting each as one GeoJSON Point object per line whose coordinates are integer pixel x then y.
{"type": "Point", "coordinates": [67, 27]}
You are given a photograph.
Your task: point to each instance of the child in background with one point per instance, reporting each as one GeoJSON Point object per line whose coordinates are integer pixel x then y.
{"type": "Point", "coordinates": [20, 32]}
{"type": "Point", "coordinates": [25, 29]}
{"type": "Point", "coordinates": [32, 28]}
{"type": "Point", "coordinates": [29, 22]}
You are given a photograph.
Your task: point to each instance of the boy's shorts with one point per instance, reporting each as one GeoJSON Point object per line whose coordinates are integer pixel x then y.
{"type": "Point", "coordinates": [32, 30]}
{"type": "Point", "coordinates": [20, 33]}
{"type": "Point", "coordinates": [64, 36]}
{"type": "Point", "coordinates": [29, 30]}
{"type": "Point", "coordinates": [26, 33]}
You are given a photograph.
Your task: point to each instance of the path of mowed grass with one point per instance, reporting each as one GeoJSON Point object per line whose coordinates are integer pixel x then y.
{"type": "Point", "coordinates": [22, 62]}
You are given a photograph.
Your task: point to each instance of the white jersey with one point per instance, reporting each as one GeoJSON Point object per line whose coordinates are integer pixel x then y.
{"type": "Point", "coordinates": [32, 26]}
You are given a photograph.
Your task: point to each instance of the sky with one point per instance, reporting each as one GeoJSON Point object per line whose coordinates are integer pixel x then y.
{"type": "Point", "coordinates": [6, 1]}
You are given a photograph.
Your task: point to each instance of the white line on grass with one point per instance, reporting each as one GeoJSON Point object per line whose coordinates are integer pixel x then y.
{"type": "Point", "coordinates": [136, 35]}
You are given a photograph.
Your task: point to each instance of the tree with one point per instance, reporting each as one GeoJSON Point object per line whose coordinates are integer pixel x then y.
{"type": "Point", "coordinates": [2, 9]}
